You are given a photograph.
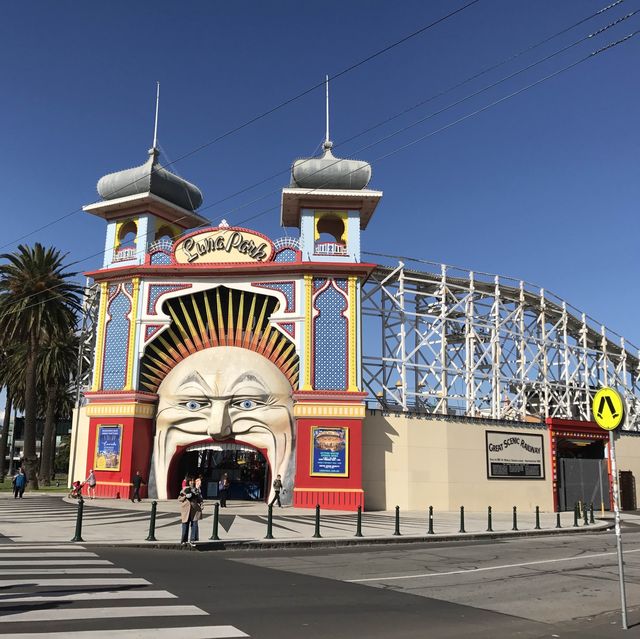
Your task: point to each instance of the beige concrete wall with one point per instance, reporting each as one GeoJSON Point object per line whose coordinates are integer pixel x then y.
{"type": "Point", "coordinates": [628, 458]}
{"type": "Point", "coordinates": [416, 462]}
{"type": "Point", "coordinates": [79, 445]}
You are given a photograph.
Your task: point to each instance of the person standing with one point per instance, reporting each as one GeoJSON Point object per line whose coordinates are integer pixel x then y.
{"type": "Point", "coordinates": [277, 487]}
{"type": "Point", "coordinates": [223, 490]}
{"type": "Point", "coordinates": [190, 512]}
{"type": "Point", "coordinates": [137, 484]}
{"type": "Point", "coordinates": [19, 484]}
{"type": "Point", "coordinates": [91, 483]}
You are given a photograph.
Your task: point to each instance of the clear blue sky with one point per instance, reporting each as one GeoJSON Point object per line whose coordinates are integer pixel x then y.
{"type": "Point", "coordinates": [543, 187]}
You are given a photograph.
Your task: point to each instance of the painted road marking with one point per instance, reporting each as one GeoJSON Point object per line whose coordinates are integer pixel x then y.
{"type": "Point", "coordinates": [56, 562]}
{"type": "Point", "coordinates": [119, 612]}
{"type": "Point", "coordinates": [503, 567]}
{"type": "Point", "coordinates": [198, 632]}
{"type": "Point", "coordinates": [69, 597]}
{"type": "Point", "coordinates": [86, 583]}
{"type": "Point", "coordinates": [44, 555]}
{"type": "Point", "coordinates": [66, 571]}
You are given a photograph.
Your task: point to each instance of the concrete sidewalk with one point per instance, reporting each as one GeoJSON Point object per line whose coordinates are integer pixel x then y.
{"type": "Point", "coordinates": [42, 518]}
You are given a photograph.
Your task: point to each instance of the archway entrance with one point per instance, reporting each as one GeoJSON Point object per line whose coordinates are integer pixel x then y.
{"type": "Point", "coordinates": [245, 466]}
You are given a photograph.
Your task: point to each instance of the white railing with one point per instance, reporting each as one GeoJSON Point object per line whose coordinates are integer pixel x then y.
{"type": "Point", "coordinates": [329, 248]}
{"type": "Point", "coordinates": [124, 254]}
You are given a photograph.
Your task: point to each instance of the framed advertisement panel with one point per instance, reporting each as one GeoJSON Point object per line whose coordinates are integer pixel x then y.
{"type": "Point", "coordinates": [514, 455]}
{"type": "Point", "coordinates": [329, 451]}
{"type": "Point", "coordinates": [108, 447]}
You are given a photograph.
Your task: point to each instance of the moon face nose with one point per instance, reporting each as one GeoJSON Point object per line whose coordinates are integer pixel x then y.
{"type": "Point", "coordinates": [219, 423]}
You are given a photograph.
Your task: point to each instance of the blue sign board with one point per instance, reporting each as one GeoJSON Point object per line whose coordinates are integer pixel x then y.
{"type": "Point", "coordinates": [329, 451]}
{"type": "Point", "coordinates": [108, 448]}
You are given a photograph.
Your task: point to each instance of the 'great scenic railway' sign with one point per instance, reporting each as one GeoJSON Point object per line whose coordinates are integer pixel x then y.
{"type": "Point", "coordinates": [514, 455]}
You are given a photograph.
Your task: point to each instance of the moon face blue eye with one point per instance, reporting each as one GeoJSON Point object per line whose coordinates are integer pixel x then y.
{"type": "Point", "coordinates": [247, 404]}
{"type": "Point", "coordinates": [193, 405]}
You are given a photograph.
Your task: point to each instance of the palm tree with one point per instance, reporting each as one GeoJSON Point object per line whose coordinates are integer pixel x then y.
{"type": "Point", "coordinates": [56, 365]}
{"type": "Point", "coordinates": [36, 299]}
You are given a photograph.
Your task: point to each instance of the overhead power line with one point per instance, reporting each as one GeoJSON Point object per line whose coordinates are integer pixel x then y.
{"type": "Point", "coordinates": [271, 110]}
{"type": "Point", "coordinates": [586, 58]}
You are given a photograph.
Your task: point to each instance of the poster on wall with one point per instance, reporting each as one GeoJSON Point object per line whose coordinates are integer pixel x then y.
{"type": "Point", "coordinates": [514, 456]}
{"type": "Point", "coordinates": [329, 451]}
{"type": "Point", "coordinates": [108, 448]}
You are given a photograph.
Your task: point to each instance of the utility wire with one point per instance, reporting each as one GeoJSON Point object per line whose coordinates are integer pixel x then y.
{"type": "Point", "coordinates": [270, 111]}
{"type": "Point", "coordinates": [586, 58]}
{"type": "Point", "coordinates": [482, 72]}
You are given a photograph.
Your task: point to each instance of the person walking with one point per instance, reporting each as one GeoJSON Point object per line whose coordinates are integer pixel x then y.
{"type": "Point", "coordinates": [190, 512]}
{"type": "Point", "coordinates": [137, 484]}
{"type": "Point", "coordinates": [91, 482]}
{"type": "Point", "coordinates": [19, 484]}
{"type": "Point", "coordinates": [277, 487]}
{"type": "Point", "coordinates": [223, 490]}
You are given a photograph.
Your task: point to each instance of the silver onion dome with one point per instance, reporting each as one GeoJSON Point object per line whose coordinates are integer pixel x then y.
{"type": "Point", "coordinates": [329, 172]}
{"type": "Point", "coordinates": [151, 177]}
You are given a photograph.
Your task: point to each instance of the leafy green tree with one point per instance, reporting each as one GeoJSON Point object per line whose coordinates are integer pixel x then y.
{"type": "Point", "coordinates": [56, 366]}
{"type": "Point", "coordinates": [37, 298]}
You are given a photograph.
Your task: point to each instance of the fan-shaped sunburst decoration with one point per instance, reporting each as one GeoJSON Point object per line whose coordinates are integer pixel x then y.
{"type": "Point", "coordinates": [217, 317]}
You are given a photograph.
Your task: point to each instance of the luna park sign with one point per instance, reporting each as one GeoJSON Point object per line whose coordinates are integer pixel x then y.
{"type": "Point", "coordinates": [223, 245]}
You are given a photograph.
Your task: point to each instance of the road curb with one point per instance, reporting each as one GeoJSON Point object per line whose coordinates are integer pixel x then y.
{"type": "Point", "coordinates": [345, 542]}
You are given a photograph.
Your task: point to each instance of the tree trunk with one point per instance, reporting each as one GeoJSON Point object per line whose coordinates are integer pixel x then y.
{"type": "Point", "coordinates": [49, 427]}
{"type": "Point", "coordinates": [30, 411]}
{"type": "Point", "coordinates": [5, 433]}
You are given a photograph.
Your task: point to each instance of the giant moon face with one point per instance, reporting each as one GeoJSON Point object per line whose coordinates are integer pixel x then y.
{"type": "Point", "coordinates": [225, 393]}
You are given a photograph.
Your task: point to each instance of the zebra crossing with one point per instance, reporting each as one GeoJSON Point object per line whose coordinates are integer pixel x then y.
{"type": "Point", "coordinates": [55, 591]}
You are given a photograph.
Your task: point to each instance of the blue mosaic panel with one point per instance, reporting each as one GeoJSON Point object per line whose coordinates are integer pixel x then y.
{"type": "Point", "coordinates": [341, 283]}
{"type": "Point", "coordinates": [160, 258]}
{"type": "Point", "coordinates": [155, 291]}
{"type": "Point", "coordinates": [330, 333]}
{"type": "Point", "coordinates": [288, 327]}
{"type": "Point", "coordinates": [286, 255]}
{"type": "Point", "coordinates": [284, 287]}
{"type": "Point", "coordinates": [318, 283]}
{"type": "Point", "coordinates": [129, 288]}
{"type": "Point", "coordinates": [115, 346]}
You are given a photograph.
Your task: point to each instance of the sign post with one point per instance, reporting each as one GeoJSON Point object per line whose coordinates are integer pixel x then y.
{"type": "Point", "coordinates": [608, 411]}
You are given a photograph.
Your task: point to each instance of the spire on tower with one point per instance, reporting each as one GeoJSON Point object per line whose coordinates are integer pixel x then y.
{"type": "Point", "coordinates": [155, 124]}
{"type": "Point", "coordinates": [327, 140]}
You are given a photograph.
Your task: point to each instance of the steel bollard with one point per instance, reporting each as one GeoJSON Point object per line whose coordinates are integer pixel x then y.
{"type": "Point", "coordinates": [585, 514]}
{"type": "Point", "coordinates": [462, 530]}
{"type": "Point", "coordinates": [430, 531]}
{"type": "Point", "coordinates": [575, 515]}
{"type": "Point", "coordinates": [489, 520]}
{"type": "Point", "coordinates": [558, 525]}
{"type": "Point", "coordinates": [78, 535]}
{"type": "Point", "coordinates": [216, 514]}
{"type": "Point", "coordinates": [515, 518]}
{"type": "Point", "coordinates": [359, 523]}
{"type": "Point", "coordinates": [591, 519]}
{"type": "Point", "coordinates": [152, 522]}
{"type": "Point", "coordinates": [269, 534]}
{"type": "Point", "coordinates": [396, 532]}
{"type": "Point", "coordinates": [537, 527]}
{"type": "Point", "coordinates": [317, 534]}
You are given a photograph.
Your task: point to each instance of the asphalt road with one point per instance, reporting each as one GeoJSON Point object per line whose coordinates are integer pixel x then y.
{"type": "Point", "coordinates": [529, 588]}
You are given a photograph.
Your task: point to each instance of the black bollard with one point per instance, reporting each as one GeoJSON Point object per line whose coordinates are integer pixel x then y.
{"type": "Point", "coordinates": [585, 513]}
{"type": "Point", "coordinates": [430, 531]}
{"type": "Point", "coordinates": [214, 533]}
{"type": "Point", "coordinates": [317, 534]}
{"type": "Point", "coordinates": [489, 520]}
{"type": "Point", "coordinates": [269, 534]}
{"type": "Point", "coordinates": [591, 519]}
{"type": "Point", "coordinates": [515, 518]}
{"type": "Point", "coordinates": [78, 535]}
{"type": "Point", "coordinates": [575, 515]}
{"type": "Point", "coordinates": [397, 529]}
{"type": "Point", "coordinates": [152, 522]}
{"type": "Point", "coordinates": [558, 520]}
{"type": "Point", "coordinates": [537, 518]}
{"type": "Point", "coordinates": [462, 530]}
{"type": "Point", "coordinates": [359, 523]}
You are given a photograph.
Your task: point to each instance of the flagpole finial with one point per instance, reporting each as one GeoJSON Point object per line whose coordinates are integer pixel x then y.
{"type": "Point", "coordinates": [327, 139]}
{"type": "Point", "coordinates": [155, 124]}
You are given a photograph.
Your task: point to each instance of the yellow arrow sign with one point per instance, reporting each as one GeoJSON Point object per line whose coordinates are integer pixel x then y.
{"type": "Point", "coordinates": [607, 408]}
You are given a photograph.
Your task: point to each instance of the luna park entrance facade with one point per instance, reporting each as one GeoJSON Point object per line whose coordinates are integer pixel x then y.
{"type": "Point", "coordinates": [246, 468]}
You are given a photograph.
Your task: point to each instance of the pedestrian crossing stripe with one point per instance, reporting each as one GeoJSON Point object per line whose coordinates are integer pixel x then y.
{"type": "Point", "coordinates": [607, 408]}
